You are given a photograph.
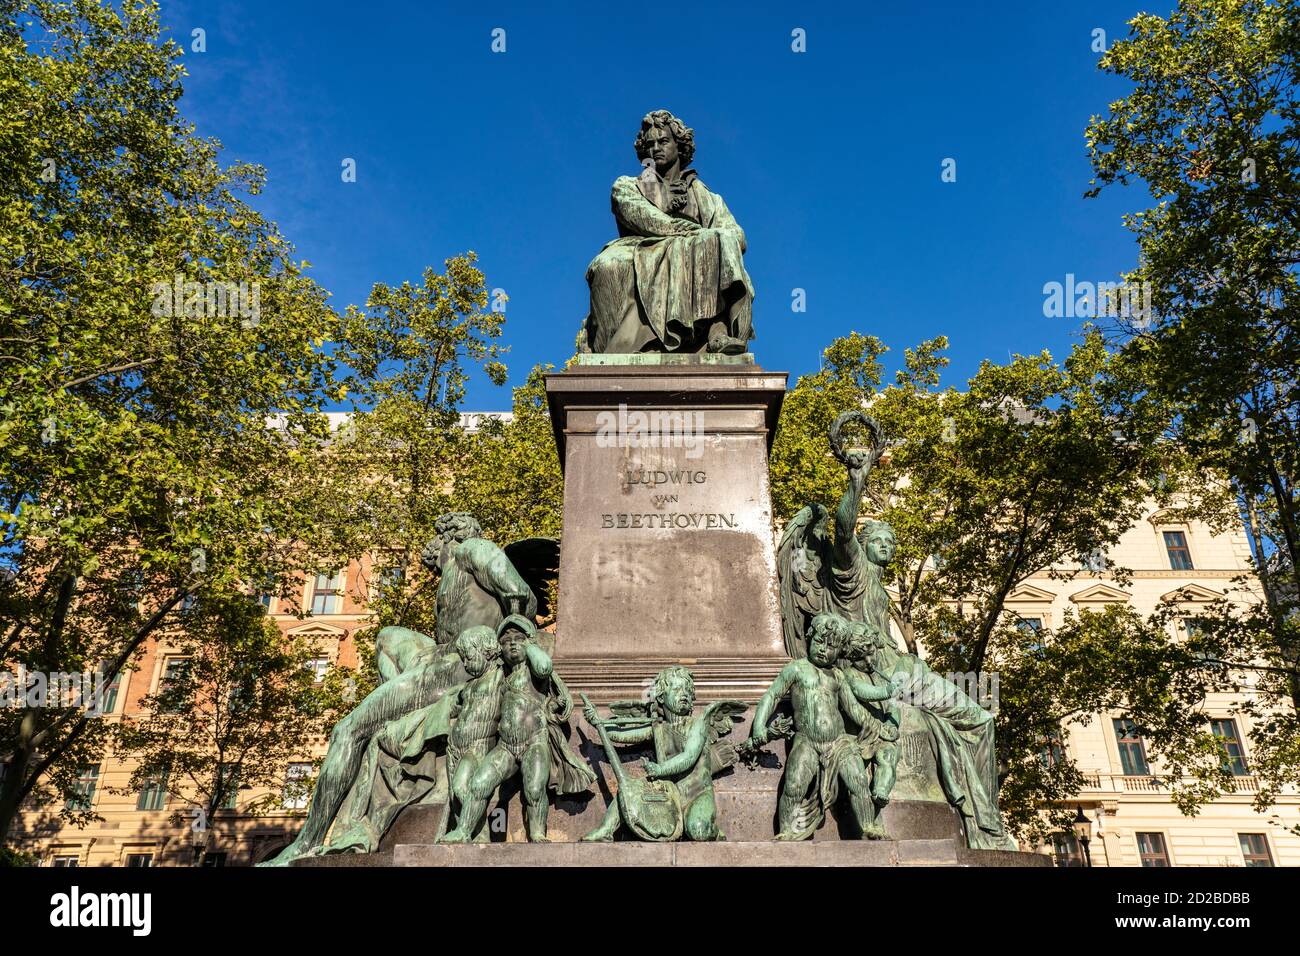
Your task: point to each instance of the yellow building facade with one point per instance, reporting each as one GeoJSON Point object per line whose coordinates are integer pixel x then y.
{"type": "Point", "coordinates": [1134, 821]}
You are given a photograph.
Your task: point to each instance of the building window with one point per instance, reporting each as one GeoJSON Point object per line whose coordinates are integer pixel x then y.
{"type": "Point", "coordinates": [1094, 561]}
{"type": "Point", "coordinates": [214, 859]}
{"type": "Point", "coordinates": [1180, 558]}
{"type": "Point", "coordinates": [111, 692]}
{"type": "Point", "coordinates": [1199, 634]}
{"type": "Point", "coordinates": [1032, 629]}
{"type": "Point", "coordinates": [1254, 849]}
{"type": "Point", "coordinates": [1234, 760]}
{"type": "Point", "coordinates": [139, 859]}
{"type": "Point", "coordinates": [327, 594]}
{"type": "Point", "coordinates": [83, 796]}
{"type": "Point", "coordinates": [391, 578]}
{"type": "Point", "coordinates": [229, 784]}
{"type": "Point", "coordinates": [318, 666]}
{"type": "Point", "coordinates": [1132, 751]}
{"type": "Point", "coordinates": [239, 697]}
{"type": "Point", "coordinates": [1053, 750]}
{"type": "Point", "coordinates": [153, 794]}
{"type": "Point", "coordinates": [265, 595]}
{"type": "Point", "coordinates": [297, 787]}
{"type": "Point", "coordinates": [1151, 849]}
{"type": "Point", "coordinates": [1066, 849]}
{"type": "Point", "coordinates": [65, 861]}
{"type": "Point", "coordinates": [130, 585]}
{"type": "Point", "coordinates": [174, 690]}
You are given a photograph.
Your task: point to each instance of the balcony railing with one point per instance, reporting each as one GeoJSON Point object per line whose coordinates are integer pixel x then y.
{"type": "Point", "coordinates": [1120, 783]}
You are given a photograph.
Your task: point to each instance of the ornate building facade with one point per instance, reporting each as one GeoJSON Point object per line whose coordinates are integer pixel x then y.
{"type": "Point", "coordinates": [152, 827]}
{"type": "Point", "coordinates": [1127, 799]}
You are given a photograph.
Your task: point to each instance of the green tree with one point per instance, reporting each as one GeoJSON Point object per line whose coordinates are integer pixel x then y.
{"type": "Point", "coordinates": [801, 466]}
{"type": "Point", "coordinates": [151, 323]}
{"type": "Point", "coordinates": [390, 471]}
{"type": "Point", "coordinates": [246, 701]}
{"type": "Point", "coordinates": [1212, 128]}
{"type": "Point", "coordinates": [1034, 467]}
{"type": "Point", "coordinates": [510, 478]}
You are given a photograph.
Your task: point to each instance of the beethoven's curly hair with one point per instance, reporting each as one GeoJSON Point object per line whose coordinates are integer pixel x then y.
{"type": "Point", "coordinates": [683, 134]}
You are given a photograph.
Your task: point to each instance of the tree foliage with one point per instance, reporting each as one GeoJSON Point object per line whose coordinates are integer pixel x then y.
{"type": "Point", "coordinates": [137, 464]}
{"type": "Point", "coordinates": [1212, 127]}
{"type": "Point", "coordinates": [1034, 467]}
{"type": "Point", "coordinates": [510, 479]}
{"type": "Point", "coordinates": [391, 467]}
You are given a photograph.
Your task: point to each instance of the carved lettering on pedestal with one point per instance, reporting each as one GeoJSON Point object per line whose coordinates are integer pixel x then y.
{"type": "Point", "coordinates": [669, 519]}
{"type": "Point", "coordinates": [653, 478]}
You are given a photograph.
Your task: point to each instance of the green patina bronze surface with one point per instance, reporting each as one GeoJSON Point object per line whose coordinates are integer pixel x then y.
{"type": "Point", "coordinates": [961, 729]}
{"type": "Point", "coordinates": [843, 578]}
{"type": "Point", "coordinates": [823, 755]}
{"type": "Point", "coordinates": [842, 575]}
{"type": "Point", "coordinates": [661, 359]}
{"type": "Point", "coordinates": [675, 797]}
{"type": "Point", "coordinates": [531, 740]}
{"type": "Point", "coordinates": [476, 714]}
{"type": "Point", "coordinates": [386, 754]}
{"type": "Point", "coordinates": [674, 280]}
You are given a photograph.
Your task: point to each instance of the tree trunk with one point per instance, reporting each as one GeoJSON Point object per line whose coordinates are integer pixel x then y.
{"type": "Point", "coordinates": [12, 789]}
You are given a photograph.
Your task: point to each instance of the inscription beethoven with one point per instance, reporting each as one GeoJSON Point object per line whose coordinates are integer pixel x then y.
{"type": "Point", "coordinates": [668, 519]}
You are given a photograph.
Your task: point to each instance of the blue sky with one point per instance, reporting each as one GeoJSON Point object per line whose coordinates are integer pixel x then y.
{"type": "Point", "coordinates": [830, 159]}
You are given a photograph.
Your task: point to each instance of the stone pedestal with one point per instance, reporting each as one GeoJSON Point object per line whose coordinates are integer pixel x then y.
{"type": "Point", "coordinates": [668, 554]}
{"type": "Point", "coordinates": [765, 854]}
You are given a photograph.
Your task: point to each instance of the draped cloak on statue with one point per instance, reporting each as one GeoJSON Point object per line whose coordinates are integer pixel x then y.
{"type": "Point", "coordinates": [812, 580]}
{"type": "Point", "coordinates": [678, 281]}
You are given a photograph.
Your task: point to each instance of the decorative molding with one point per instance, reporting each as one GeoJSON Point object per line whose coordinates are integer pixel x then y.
{"type": "Point", "coordinates": [1193, 594]}
{"type": "Point", "coordinates": [317, 629]}
{"type": "Point", "coordinates": [1100, 594]}
{"type": "Point", "coordinates": [1169, 518]}
{"type": "Point", "coordinates": [1027, 593]}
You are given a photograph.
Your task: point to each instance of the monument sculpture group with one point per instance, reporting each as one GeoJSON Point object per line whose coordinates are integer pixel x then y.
{"type": "Point", "coordinates": [752, 690]}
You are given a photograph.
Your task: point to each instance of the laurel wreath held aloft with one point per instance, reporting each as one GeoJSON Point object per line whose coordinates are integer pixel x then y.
{"type": "Point", "coordinates": [875, 449]}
